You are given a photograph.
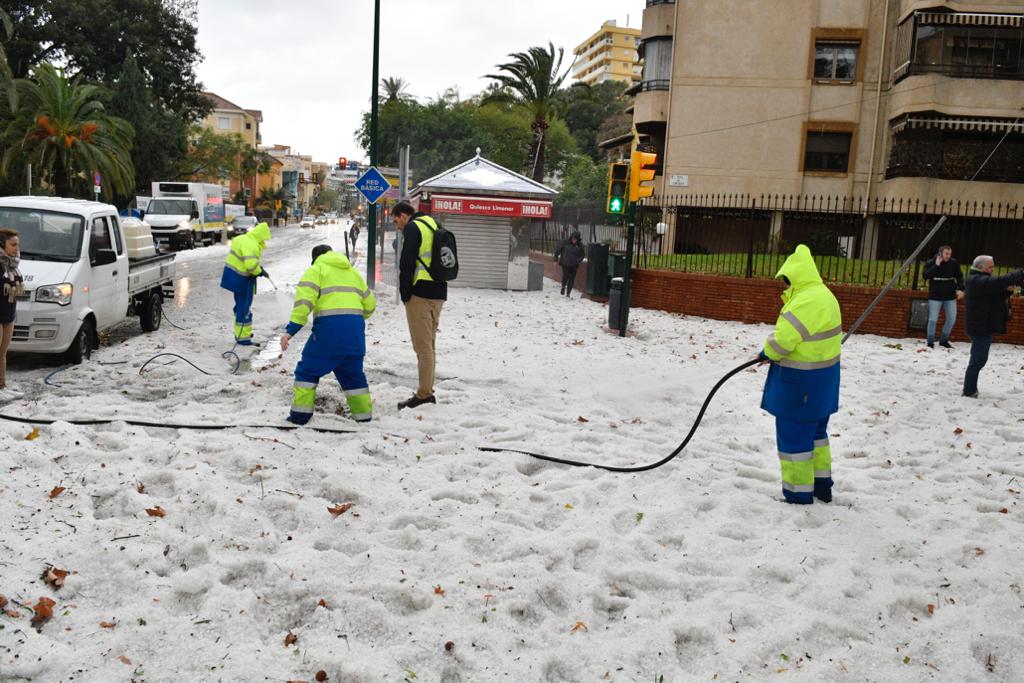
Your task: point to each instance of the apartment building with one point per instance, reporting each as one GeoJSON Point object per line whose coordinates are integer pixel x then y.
{"type": "Point", "coordinates": [228, 118]}
{"type": "Point", "coordinates": [879, 100]}
{"type": "Point", "coordinates": [608, 55]}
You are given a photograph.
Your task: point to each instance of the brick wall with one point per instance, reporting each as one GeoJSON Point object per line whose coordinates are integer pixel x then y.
{"type": "Point", "coordinates": [757, 301]}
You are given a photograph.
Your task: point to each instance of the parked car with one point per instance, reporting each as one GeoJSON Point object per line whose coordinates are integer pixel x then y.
{"type": "Point", "coordinates": [321, 220]}
{"type": "Point", "coordinates": [307, 222]}
{"type": "Point", "coordinates": [241, 225]}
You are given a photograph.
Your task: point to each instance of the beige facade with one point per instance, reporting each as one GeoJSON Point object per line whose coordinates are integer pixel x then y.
{"type": "Point", "coordinates": [858, 98]}
{"type": "Point", "coordinates": [227, 117]}
{"type": "Point", "coordinates": [608, 55]}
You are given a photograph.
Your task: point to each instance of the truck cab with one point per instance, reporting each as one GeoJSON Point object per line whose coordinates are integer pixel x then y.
{"type": "Point", "coordinates": [183, 215]}
{"type": "Point", "coordinates": [79, 275]}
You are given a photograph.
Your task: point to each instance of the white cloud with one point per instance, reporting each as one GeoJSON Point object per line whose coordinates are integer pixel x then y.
{"type": "Point", "coordinates": [307, 64]}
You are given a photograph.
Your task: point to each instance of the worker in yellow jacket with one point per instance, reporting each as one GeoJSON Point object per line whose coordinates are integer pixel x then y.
{"type": "Point", "coordinates": [241, 268]}
{"type": "Point", "coordinates": [802, 389]}
{"type": "Point", "coordinates": [340, 302]}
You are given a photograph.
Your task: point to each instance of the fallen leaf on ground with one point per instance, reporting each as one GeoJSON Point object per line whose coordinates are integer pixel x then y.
{"type": "Point", "coordinates": [322, 603]}
{"type": "Point", "coordinates": [54, 577]}
{"type": "Point", "coordinates": [931, 608]}
{"type": "Point", "coordinates": [43, 610]}
{"type": "Point", "coordinates": [340, 508]}
{"type": "Point", "coordinates": [579, 626]}
{"type": "Point", "coordinates": [1004, 511]}
{"type": "Point", "coordinates": [140, 487]}
{"type": "Point", "coordinates": [321, 676]}
{"type": "Point", "coordinates": [438, 590]}
{"type": "Point", "coordinates": [108, 624]}
{"type": "Point", "coordinates": [958, 431]}
{"type": "Point", "coordinates": [57, 490]}
{"type": "Point", "coordinates": [33, 435]}
{"type": "Point", "coordinates": [290, 639]}
{"type": "Point", "coordinates": [582, 419]}
{"type": "Point", "coordinates": [3, 602]}
{"type": "Point", "coordinates": [124, 660]}
{"type": "Point", "coordinates": [156, 512]}
{"type": "Point", "coordinates": [978, 552]}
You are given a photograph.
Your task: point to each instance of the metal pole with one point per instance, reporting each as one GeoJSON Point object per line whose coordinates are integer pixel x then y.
{"type": "Point", "coordinates": [626, 280]}
{"type": "Point", "coordinates": [403, 184]}
{"type": "Point", "coordinates": [30, 180]}
{"type": "Point", "coordinates": [371, 223]}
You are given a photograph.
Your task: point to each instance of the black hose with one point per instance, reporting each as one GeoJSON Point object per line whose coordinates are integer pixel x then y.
{"type": "Point", "coordinates": [169, 321]}
{"type": "Point", "coordinates": [226, 354]}
{"type": "Point", "coordinates": [47, 382]}
{"type": "Point", "coordinates": [635, 468]}
{"type": "Point", "coordinates": [149, 423]}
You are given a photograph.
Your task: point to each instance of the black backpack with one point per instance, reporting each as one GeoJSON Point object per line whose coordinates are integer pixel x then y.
{"type": "Point", "coordinates": [444, 256]}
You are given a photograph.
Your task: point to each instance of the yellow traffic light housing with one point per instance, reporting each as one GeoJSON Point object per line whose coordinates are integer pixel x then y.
{"type": "Point", "coordinates": [618, 177]}
{"type": "Point", "coordinates": [641, 172]}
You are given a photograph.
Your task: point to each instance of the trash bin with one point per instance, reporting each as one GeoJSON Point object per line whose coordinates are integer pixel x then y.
{"type": "Point", "coordinates": [597, 269]}
{"type": "Point", "coordinates": [615, 304]}
{"type": "Point", "coordinates": [616, 264]}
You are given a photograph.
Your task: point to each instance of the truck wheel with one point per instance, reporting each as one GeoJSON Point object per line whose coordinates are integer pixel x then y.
{"type": "Point", "coordinates": [191, 244]}
{"type": "Point", "coordinates": [81, 347]}
{"type": "Point", "coordinates": [150, 314]}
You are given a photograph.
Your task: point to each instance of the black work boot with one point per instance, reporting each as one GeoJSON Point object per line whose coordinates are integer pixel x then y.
{"type": "Point", "coordinates": [415, 401]}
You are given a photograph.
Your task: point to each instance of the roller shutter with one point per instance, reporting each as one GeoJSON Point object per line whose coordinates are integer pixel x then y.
{"type": "Point", "coordinates": [483, 250]}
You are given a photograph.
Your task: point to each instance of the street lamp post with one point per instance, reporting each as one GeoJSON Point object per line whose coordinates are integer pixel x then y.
{"type": "Point", "coordinates": [371, 236]}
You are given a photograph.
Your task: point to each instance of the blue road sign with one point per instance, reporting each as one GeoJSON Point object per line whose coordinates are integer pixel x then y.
{"type": "Point", "coordinates": [372, 185]}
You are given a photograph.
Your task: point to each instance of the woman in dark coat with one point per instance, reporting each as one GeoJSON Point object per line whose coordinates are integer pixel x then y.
{"type": "Point", "coordinates": [11, 287]}
{"type": "Point", "coordinates": [569, 255]}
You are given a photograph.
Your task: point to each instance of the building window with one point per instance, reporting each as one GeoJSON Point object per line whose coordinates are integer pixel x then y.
{"type": "Point", "coordinates": [248, 126]}
{"type": "Point", "coordinates": [827, 151]}
{"type": "Point", "coordinates": [961, 44]}
{"type": "Point", "coordinates": [657, 69]}
{"type": "Point", "coordinates": [835, 60]}
{"type": "Point", "coordinates": [224, 122]}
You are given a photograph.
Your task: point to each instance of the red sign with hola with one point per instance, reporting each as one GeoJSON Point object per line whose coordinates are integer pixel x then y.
{"type": "Point", "coordinates": [487, 206]}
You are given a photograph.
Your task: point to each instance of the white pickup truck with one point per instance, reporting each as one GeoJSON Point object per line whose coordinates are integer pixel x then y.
{"type": "Point", "coordinates": [79, 276]}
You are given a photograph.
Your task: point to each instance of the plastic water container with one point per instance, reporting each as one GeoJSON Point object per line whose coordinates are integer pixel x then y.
{"type": "Point", "coordinates": [139, 237]}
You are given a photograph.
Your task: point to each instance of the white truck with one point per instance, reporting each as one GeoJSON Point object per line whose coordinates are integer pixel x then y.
{"type": "Point", "coordinates": [185, 214]}
{"type": "Point", "coordinates": [83, 274]}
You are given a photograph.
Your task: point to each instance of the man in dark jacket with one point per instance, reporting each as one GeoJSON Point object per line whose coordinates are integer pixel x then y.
{"type": "Point", "coordinates": [987, 313]}
{"type": "Point", "coordinates": [569, 255]}
{"type": "Point", "coordinates": [422, 294]}
{"type": "Point", "coordinates": [945, 288]}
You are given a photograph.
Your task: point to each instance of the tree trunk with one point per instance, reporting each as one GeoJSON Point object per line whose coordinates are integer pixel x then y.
{"type": "Point", "coordinates": [539, 145]}
{"type": "Point", "coordinates": [61, 181]}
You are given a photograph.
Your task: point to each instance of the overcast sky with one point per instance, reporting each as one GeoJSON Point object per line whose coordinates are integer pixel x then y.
{"type": "Point", "coordinates": [307, 64]}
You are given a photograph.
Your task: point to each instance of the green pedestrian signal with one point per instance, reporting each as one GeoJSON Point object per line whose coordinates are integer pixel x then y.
{"type": "Point", "coordinates": [618, 186]}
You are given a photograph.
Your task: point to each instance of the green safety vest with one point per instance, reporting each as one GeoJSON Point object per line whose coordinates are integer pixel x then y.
{"type": "Point", "coordinates": [427, 226]}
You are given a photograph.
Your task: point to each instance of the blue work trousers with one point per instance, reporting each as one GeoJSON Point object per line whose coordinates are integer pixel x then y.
{"type": "Point", "coordinates": [805, 457]}
{"type": "Point", "coordinates": [243, 315]}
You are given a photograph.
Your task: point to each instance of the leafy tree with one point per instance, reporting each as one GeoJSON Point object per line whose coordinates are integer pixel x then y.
{"type": "Point", "coordinates": [588, 108]}
{"type": "Point", "coordinates": [62, 128]}
{"type": "Point", "coordinates": [585, 183]}
{"type": "Point", "coordinates": [327, 200]}
{"type": "Point", "coordinates": [160, 136]}
{"type": "Point", "coordinates": [395, 90]}
{"type": "Point", "coordinates": [92, 39]}
{"type": "Point", "coordinates": [268, 201]}
{"type": "Point", "coordinates": [6, 77]}
{"type": "Point", "coordinates": [211, 156]}
{"type": "Point", "coordinates": [532, 79]}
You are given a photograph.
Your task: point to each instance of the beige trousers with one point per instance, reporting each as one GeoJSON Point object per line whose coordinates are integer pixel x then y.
{"type": "Point", "coordinates": [6, 331]}
{"type": "Point", "coordinates": [423, 316]}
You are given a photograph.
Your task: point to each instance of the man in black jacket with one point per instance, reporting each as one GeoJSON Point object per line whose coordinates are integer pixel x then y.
{"type": "Point", "coordinates": [945, 288]}
{"type": "Point", "coordinates": [569, 255]}
{"type": "Point", "coordinates": [423, 295]}
{"type": "Point", "coordinates": [987, 313]}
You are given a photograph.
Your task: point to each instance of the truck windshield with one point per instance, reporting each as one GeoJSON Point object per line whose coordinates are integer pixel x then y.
{"type": "Point", "coordinates": [45, 235]}
{"type": "Point", "coordinates": [170, 207]}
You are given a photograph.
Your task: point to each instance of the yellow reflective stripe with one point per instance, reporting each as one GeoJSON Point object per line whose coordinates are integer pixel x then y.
{"type": "Point", "coordinates": [798, 488]}
{"type": "Point", "coordinates": [797, 325]}
{"type": "Point", "coordinates": [357, 392]}
{"type": "Point", "coordinates": [363, 293]}
{"type": "Point", "coordinates": [240, 257]}
{"type": "Point", "coordinates": [808, 365]}
{"type": "Point", "coordinates": [777, 347]}
{"type": "Point", "coordinates": [796, 457]}
{"type": "Point", "coordinates": [303, 302]}
{"type": "Point", "coordinates": [339, 311]}
{"type": "Point", "coordinates": [306, 283]}
{"type": "Point", "coordinates": [827, 334]}
{"type": "Point", "coordinates": [305, 385]}
{"type": "Point", "coordinates": [822, 474]}
{"type": "Point", "coordinates": [819, 443]}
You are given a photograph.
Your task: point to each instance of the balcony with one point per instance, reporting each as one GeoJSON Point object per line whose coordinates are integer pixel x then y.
{"type": "Point", "coordinates": [956, 155]}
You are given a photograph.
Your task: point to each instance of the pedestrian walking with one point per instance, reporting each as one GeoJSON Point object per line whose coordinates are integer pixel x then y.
{"type": "Point", "coordinates": [422, 295]}
{"type": "Point", "coordinates": [945, 288]}
{"type": "Point", "coordinates": [335, 294]}
{"type": "Point", "coordinates": [241, 268]}
{"type": "Point", "coordinates": [569, 255]}
{"type": "Point", "coordinates": [802, 388]}
{"type": "Point", "coordinates": [988, 309]}
{"type": "Point", "coordinates": [12, 285]}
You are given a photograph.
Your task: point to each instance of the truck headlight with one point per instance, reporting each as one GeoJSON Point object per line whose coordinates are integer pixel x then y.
{"type": "Point", "coordinates": [185, 226]}
{"type": "Point", "coordinates": [55, 294]}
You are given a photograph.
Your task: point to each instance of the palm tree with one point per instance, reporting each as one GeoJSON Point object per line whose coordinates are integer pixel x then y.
{"type": "Point", "coordinates": [395, 90]}
{"type": "Point", "coordinates": [63, 130]}
{"type": "Point", "coordinates": [532, 80]}
{"type": "Point", "coordinates": [6, 77]}
{"type": "Point", "coordinates": [270, 196]}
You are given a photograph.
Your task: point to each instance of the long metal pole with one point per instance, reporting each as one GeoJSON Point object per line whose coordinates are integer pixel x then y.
{"type": "Point", "coordinates": [628, 275]}
{"type": "Point", "coordinates": [371, 223]}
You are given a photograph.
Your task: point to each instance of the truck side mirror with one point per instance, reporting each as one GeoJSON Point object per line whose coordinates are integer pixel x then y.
{"type": "Point", "coordinates": [195, 213]}
{"type": "Point", "coordinates": [103, 257]}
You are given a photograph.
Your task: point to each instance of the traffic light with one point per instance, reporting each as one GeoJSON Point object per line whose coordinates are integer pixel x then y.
{"type": "Point", "coordinates": [618, 176]}
{"type": "Point", "coordinates": [641, 171]}
{"type": "Point", "coordinates": [316, 178]}
{"type": "Point", "coordinates": [342, 163]}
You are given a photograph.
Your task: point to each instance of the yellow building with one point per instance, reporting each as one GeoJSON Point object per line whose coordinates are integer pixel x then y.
{"type": "Point", "coordinates": [608, 55]}
{"type": "Point", "coordinates": [228, 117]}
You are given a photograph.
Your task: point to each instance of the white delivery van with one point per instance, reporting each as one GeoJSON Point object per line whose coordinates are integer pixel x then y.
{"type": "Point", "coordinates": [83, 274]}
{"type": "Point", "coordinates": [185, 214]}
